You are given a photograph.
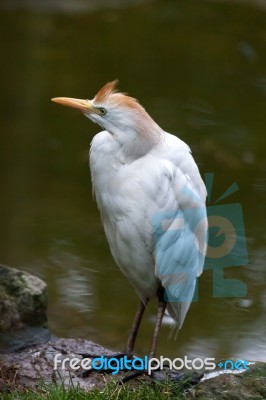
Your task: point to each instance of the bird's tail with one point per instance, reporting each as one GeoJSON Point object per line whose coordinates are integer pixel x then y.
{"type": "Point", "coordinates": [179, 303]}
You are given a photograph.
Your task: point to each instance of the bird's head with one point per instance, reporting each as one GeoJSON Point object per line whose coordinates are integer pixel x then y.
{"type": "Point", "coordinates": [121, 115]}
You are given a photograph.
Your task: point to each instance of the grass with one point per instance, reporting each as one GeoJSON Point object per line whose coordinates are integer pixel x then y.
{"type": "Point", "coordinates": [142, 391]}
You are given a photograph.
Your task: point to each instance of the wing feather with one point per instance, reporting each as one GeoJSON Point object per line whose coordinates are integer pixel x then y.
{"type": "Point", "coordinates": [180, 232]}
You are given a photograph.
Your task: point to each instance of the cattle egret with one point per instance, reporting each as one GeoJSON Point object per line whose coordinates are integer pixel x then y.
{"type": "Point", "coordinates": [151, 200]}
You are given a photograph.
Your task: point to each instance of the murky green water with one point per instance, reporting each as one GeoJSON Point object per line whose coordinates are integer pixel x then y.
{"type": "Point", "coordinates": [199, 68]}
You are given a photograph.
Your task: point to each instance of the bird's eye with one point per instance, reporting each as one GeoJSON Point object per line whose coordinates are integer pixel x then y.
{"type": "Point", "coordinates": [102, 111]}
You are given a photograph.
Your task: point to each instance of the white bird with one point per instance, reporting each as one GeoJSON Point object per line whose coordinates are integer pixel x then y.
{"type": "Point", "coordinates": [152, 204]}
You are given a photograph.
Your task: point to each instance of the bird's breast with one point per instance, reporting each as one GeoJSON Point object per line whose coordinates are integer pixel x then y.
{"type": "Point", "coordinates": [130, 194]}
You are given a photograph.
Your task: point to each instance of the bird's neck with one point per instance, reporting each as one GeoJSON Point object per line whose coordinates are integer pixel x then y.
{"type": "Point", "coordinates": [138, 140]}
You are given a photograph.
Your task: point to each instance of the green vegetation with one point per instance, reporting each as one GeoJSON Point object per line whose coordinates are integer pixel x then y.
{"type": "Point", "coordinates": [112, 391]}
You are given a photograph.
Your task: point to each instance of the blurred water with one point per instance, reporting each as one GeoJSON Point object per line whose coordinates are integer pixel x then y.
{"type": "Point", "coordinates": [198, 67]}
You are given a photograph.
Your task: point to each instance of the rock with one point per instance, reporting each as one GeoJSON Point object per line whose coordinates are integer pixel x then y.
{"type": "Point", "coordinates": [34, 366]}
{"type": "Point", "coordinates": [248, 385]}
{"type": "Point", "coordinates": [23, 305]}
{"type": "Point", "coordinates": [23, 299]}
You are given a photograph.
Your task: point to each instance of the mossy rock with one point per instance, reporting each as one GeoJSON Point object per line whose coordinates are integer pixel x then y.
{"type": "Point", "coordinates": [23, 299]}
{"type": "Point", "coordinates": [248, 385]}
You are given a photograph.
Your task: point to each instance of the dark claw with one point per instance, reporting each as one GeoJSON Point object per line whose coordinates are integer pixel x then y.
{"type": "Point", "coordinates": [186, 380]}
{"type": "Point", "coordinates": [167, 374]}
{"type": "Point", "coordinates": [131, 375]}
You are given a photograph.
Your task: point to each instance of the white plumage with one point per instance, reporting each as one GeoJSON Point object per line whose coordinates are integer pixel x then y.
{"type": "Point", "coordinates": [150, 196]}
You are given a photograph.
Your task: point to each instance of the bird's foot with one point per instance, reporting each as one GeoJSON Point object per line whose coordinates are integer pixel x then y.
{"type": "Point", "coordinates": [166, 375]}
{"type": "Point", "coordinates": [111, 364]}
{"type": "Point", "coordinates": [185, 379]}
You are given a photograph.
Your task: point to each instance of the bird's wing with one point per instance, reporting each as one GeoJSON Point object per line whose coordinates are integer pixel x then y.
{"type": "Point", "coordinates": [180, 230]}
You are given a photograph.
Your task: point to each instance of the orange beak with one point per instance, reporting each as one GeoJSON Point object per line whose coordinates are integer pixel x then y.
{"type": "Point", "coordinates": [79, 104]}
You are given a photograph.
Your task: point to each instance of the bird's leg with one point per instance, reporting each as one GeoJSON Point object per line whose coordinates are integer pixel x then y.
{"type": "Point", "coordinates": [130, 343]}
{"type": "Point", "coordinates": [135, 327]}
{"type": "Point", "coordinates": [158, 375]}
{"type": "Point", "coordinates": [112, 357]}
{"type": "Point", "coordinates": [158, 322]}
{"type": "Point", "coordinates": [162, 375]}
{"type": "Point", "coordinates": [132, 334]}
